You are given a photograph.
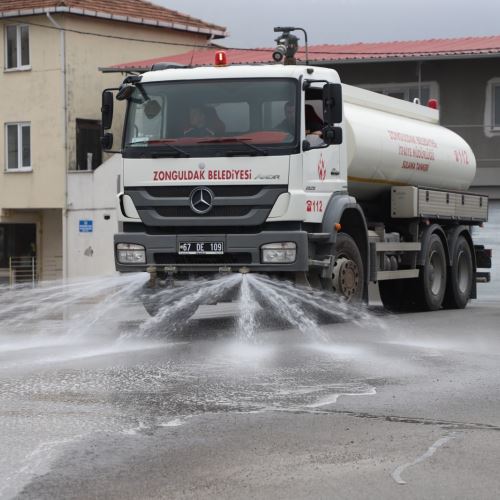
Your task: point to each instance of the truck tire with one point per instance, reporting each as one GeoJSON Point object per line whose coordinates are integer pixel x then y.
{"type": "Point", "coordinates": [460, 277]}
{"type": "Point", "coordinates": [348, 274]}
{"type": "Point", "coordinates": [431, 285]}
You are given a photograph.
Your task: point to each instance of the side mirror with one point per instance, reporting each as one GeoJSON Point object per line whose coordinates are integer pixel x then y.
{"type": "Point", "coordinates": [332, 135]}
{"type": "Point", "coordinates": [332, 103]}
{"type": "Point", "coordinates": [107, 109]}
{"type": "Point", "coordinates": [107, 141]}
{"type": "Point", "coordinates": [126, 90]}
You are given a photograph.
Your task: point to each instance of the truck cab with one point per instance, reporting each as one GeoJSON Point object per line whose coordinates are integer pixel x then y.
{"type": "Point", "coordinates": [225, 167]}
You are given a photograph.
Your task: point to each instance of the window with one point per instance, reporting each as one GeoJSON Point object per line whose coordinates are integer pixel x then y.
{"type": "Point", "coordinates": [496, 106]}
{"type": "Point", "coordinates": [212, 118]}
{"type": "Point", "coordinates": [492, 108]}
{"type": "Point", "coordinates": [18, 146]}
{"type": "Point", "coordinates": [88, 144]}
{"type": "Point", "coordinates": [235, 115]}
{"type": "Point", "coordinates": [17, 47]}
{"type": "Point", "coordinates": [407, 91]}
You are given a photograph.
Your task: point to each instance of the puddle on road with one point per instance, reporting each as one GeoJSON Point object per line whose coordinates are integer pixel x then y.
{"type": "Point", "coordinates": [83, 357]}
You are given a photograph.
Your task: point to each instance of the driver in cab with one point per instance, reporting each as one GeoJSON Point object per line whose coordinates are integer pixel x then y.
{"type": "Point", "coordinates": [198, 123]}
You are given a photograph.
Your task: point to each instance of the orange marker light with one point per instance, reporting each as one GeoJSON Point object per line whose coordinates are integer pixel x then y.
{"type": "Point", "coordinates": [220, 58]}
{"type": "Point", "coordinates": [338, 227]}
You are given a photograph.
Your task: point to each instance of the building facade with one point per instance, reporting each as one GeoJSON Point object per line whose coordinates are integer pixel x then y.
{"type": "Point", "coordinates": [50, 110]}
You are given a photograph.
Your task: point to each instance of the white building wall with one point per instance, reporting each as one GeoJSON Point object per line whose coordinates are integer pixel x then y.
{"type": "Point", "coordinates": [92, 197]}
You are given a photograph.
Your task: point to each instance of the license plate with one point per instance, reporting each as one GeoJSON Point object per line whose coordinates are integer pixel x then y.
{"type": "Point", "coordinates": [201, 248]}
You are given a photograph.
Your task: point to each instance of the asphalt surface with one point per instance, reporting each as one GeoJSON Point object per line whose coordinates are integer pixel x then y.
{"type": "Point", "coordinates": [92, 405]}
{"type": "Point", "coordinates": [350, 411]}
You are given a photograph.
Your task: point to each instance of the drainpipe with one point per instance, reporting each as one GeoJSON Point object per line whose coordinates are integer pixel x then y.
{"type": "Point", "coordinates": [65, 136]}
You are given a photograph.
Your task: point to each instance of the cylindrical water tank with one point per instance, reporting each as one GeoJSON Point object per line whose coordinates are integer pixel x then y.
{"type": "Point", "coordinates": [386, 149]}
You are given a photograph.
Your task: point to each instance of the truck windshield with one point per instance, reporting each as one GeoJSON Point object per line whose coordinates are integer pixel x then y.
{"type": "Point", "coordinates": [205, 117]}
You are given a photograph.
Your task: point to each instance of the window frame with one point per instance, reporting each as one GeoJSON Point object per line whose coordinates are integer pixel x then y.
{"type": "Point", "coordinates": [404, 87]}
{"type": "Point", "coordinates": [490, 130]}
{"type": "Point", "coordinates": [19, 66]}
{"type": "Point", "coordinates": [20, 167]}
{"type": "Point", "coordinates": [81, 125]}
{"type": "Point", "coordinates": [274, 149]}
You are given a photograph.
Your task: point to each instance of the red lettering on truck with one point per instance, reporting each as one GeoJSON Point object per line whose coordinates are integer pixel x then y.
{"type": "Point", "coordinates": [230, 175]}
{"type": "Point", "coordinates": [179, 175]}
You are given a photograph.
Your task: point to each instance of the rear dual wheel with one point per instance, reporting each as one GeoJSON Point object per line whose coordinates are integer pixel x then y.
{"type": "Point", "coordinates": [423, 293]}
{"type": "Point", "coordinates": [438, 285]}
{"type": "Point", "coordinates": [431, 286]}
{"type": "Point", "coordinates": [461, 275]}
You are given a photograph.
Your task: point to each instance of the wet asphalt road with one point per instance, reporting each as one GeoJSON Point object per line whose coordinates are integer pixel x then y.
{"type": "Point", "coordinates": [92, 406]}
{"type": "Point", "coordinates": [352, 411]}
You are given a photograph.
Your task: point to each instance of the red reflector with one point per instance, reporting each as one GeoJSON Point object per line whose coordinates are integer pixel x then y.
{"type": "Point", "coordinates": [220, 58]}
{"type": "Point", "coordinates": [433, 103]}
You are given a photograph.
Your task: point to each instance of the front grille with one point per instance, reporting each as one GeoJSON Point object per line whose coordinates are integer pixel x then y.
{"type": "Point", "coordinates": [236, 205]}
{"type": "Point", "coordinates": [230, 258]}
{"type": "Point", "coordinates": [224, 211]}
{"type": "Point", "coordinates": [185, 191]}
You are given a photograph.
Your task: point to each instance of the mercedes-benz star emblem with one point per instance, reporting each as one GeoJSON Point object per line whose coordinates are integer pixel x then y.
{"type": "Point", "coordinates": [202, 200]}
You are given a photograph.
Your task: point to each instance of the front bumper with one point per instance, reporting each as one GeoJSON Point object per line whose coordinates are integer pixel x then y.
{"type": "Point", "coordinates": [241, 250]}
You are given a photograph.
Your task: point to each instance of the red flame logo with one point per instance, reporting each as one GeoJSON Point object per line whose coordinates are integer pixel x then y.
{"type": "Point", "coordinates": [321, 169]}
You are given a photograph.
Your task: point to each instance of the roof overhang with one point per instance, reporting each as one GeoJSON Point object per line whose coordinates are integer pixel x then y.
{"type": "Point", "coordinates": [424, 58]}
{"type": "Point", "coordinates": [113, 17]}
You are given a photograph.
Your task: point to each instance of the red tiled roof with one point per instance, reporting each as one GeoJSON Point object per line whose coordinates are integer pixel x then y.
{"type": "Point", "coordinates": [136, 11]}
{"type": "Point", "coordinates": [381, 51]}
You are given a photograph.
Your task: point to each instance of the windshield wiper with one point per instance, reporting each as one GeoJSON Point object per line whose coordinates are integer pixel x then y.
{"type": "Point", "coordinates": [179, 151]}
{"type": "Point", "coordinates": [160, 143]}
{"type": "Point", "coordinates": [230, 140]}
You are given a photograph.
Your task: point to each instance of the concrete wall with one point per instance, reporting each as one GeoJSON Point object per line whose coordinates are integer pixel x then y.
{"type": "Point", "coordinates": [462, 95]}
{"type": "Point", "coordinates": [34, 96]}
{"type": "Point", "coordinates": [93, 197]}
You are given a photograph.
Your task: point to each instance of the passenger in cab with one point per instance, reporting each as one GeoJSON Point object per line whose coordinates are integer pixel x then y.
{"type": "Point", "coordinates": [288, 123]}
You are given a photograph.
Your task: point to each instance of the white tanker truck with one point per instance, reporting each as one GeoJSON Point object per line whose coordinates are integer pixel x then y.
{"type": "Point", "coordinates": [283, 170]}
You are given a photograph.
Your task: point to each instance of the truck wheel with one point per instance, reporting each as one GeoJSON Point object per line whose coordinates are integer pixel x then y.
{"type": "Point", "coordinates": [348, 276]}
{"type": "Point", "coordinates": [432, 281]}
{"type": "Point", "coordinates": [460, 277]}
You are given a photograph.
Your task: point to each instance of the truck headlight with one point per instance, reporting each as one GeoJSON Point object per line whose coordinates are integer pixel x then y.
{"type": "Point", "coordinates": [128, 253]}
{"type": "Point", "coordinates": [279, 253]}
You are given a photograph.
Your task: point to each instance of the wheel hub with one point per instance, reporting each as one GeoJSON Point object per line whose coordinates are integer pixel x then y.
{"type": "Point", "coordinates": [345, 277]}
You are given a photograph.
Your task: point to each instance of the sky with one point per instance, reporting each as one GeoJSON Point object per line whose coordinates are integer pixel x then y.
{"type": "Point", "coordinates": [251, 23]}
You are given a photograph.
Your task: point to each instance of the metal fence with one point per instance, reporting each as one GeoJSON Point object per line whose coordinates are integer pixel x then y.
{"type": "Point", "coordinates": [22, 270]}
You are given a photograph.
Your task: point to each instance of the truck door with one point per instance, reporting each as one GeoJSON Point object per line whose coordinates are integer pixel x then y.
{"type": "Point", "coordinates": [321, 165]}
